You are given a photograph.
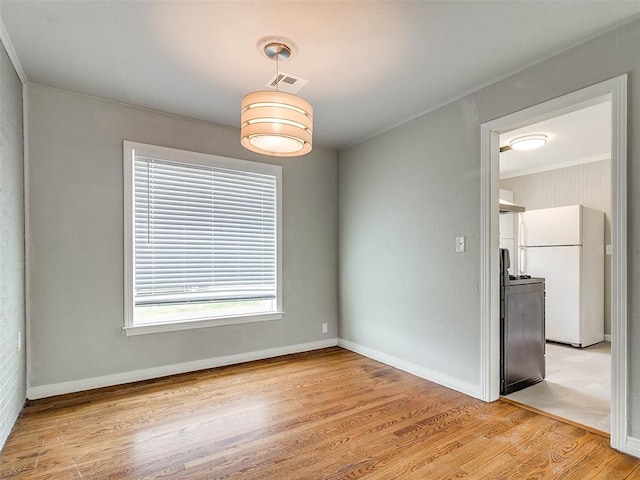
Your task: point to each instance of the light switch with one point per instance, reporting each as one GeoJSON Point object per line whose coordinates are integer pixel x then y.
{"type": "Point", "coordinates": [608, 250]}
{"type": "Point", "coordinates": [461, 244]}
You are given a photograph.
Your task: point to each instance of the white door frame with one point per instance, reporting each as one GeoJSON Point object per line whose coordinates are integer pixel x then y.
{"type": "Point", "coordinates": [616, 88]}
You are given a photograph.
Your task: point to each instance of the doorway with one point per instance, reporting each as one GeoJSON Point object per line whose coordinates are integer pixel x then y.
{"type": "Point", "coordinates": [566, 178]}
{"type": "Point", "coordinates": [490, 300]}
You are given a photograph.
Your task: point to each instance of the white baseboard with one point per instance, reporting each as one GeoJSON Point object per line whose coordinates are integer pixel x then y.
{"type": "Point", "coordinates": [43, 391]}
{"type": "Point", "coordinates": [632, 446]}
{"type": "Point", "coordinates": [467, 388]}
{"type": "Point", "coordinates": [607, 338]}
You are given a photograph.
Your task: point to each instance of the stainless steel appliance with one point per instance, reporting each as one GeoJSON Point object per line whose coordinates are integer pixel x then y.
{"type": "Point", "coordinates": [522, 337]}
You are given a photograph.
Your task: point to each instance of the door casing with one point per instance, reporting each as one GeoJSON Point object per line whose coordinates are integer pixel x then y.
{"type": "Point", "coordinates": [616, 90]}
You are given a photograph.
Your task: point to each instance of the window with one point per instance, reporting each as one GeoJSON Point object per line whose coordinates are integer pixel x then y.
{"type": "Point", "coordinates": [202, 239]}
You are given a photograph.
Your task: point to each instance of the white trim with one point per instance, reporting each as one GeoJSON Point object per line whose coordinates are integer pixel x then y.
{"type": "Point", "coordinates": [27, 232]}
{"type": "Point", "coordinates": [556, 166]}
{"type": "Point", "coordinates": [11, 52]}
{"type": "Point", "coordinates": [42, 391]}
{"type": "Point", "coordinates": [607, 338]}
{"type": "Point", "coordinates": [467, 388]}
{"type": "Point", "coordinates": [617, 89]}
{"type": "Point", "coordinates": [632, 446]}
{"type": "Point", "coordinates": [619, 319]}
{"type": "Point", "coordinates": [141, 329]}
{"type": "Point", "coordinates": [199, 158]}
{"type": "Point", "coordinates": [129, 232]}
{"type": "Point", "coordinates": [489, 291]}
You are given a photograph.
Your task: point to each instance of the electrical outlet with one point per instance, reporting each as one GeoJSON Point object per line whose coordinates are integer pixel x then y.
{"type": "Point", "coordinates": [325, 328]}
{"type": "Point", "coordinates": [19, 338]}
{"type": "Point", "coordinates": [461, 244]}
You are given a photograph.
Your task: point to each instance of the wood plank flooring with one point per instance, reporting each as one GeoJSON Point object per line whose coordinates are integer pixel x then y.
{"type": "Point", "coordinates": [328, 414]}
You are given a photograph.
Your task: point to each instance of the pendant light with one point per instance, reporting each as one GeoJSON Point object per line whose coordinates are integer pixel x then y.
{"type": "Point", "coordinates": [273, 122]}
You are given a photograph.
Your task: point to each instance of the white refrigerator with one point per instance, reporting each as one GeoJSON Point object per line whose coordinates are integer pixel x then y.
{"type": "Point", "coordinates": [565, 245]}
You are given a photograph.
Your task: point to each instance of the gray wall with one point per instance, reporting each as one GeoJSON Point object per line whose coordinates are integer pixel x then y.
{"type": "Point", "coordinates": [588, 184]}
{"type": "Point", "coordinates": [76, 241]}
{"type": "Point", "coordinates": [12, 318]}
{"type": "Point", "coordinates": [429, 304]}
{"type": "Point", "coordinates": [404, 197]}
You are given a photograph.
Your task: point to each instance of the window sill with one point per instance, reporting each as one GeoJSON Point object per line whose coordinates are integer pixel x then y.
{"type": "Point", "coordinates": [142, 329]}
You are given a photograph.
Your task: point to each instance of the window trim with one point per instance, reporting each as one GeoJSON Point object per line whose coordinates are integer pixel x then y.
{"type": "Point", "coordinates": [196, 158]}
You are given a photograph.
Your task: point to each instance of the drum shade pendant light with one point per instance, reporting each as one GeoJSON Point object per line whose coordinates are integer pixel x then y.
{"type": "Point", "coordinates": [273, 122]}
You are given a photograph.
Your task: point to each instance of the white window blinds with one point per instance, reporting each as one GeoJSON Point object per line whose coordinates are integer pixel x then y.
{"type": "Point", "coordinates": [202, 233]}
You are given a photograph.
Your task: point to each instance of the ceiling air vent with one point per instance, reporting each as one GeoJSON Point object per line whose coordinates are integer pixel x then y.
{"type": "Point", "coordinates": [286, 82]}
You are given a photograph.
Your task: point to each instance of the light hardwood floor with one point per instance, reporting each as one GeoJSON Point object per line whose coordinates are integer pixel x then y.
{"type": "Point", "coordinates": [327, 414]}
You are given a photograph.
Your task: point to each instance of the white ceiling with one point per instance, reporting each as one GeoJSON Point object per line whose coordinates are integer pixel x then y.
{"type": "Point", "coordinates": [370, 65]}
{"type": "Point", "coordinates": [578, 137]}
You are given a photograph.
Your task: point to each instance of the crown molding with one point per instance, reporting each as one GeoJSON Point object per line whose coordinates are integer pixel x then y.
{"type": "Point", "coordinates": [11, 52]}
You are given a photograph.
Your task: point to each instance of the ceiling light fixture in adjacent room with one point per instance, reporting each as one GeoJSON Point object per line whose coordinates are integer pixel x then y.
{"type": "Point", "coordinates": [528, 142]}
{"type": "Point", "coordinates": [525, 142]}
{"type": "Point", "coordinates": [273, 122]}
